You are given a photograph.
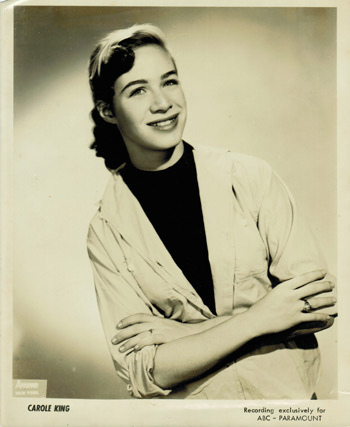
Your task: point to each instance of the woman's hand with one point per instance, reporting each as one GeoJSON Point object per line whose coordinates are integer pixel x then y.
{"type": "Point", "coordinates": [282, 308]}
{"type": "Point", "coordinates": [139, 330]}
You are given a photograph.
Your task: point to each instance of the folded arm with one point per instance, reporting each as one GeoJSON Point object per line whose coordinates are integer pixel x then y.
{"type": "Point", "coordinates": [191, 355]}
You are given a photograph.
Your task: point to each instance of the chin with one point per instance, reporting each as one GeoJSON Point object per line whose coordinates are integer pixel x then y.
{"type": "Point", "coordinates": [162, 145]}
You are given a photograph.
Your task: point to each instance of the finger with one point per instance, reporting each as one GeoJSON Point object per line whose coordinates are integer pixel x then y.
{"type": "Point", "coordinates": [135, 318]}
{"type": "Point", "coordinates": [314, 289]}
{"type": "Point", "coordinates": [331, 311]}
{"type": "Point", "coordinates": [306, 278]}
{"type": "Point", "coordinates": [310, 327]}
{"type": "Point", "coordinates": [150, 339]}
{"type": "Point", "coordinates": [138, 342]}
{"type": "Point", "coordinates": [129, 332]}
{"type": "Point", "coordinates": [320, 302]}
{"type": "Point", "coordinates": [315, 317]}
{"type": "Point", "coordinates": [305, 326]}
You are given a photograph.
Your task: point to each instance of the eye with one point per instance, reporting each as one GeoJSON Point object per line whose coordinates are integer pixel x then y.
{"type": "Point", "coordinates": [137, 91]}
{"type": "Point", "coordinates": [171, 82]}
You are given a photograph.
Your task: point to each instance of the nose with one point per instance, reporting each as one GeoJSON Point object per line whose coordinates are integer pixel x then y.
{"type": "Point", "coordinates": [160, 103]}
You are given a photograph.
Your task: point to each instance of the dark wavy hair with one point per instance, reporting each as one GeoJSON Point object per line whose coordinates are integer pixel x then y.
{"type": "Point", "coordinates": [113, 56]}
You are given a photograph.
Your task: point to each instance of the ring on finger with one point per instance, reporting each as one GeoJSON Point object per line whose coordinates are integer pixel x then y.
{"type": "Point", "coordinates": [307, 307]}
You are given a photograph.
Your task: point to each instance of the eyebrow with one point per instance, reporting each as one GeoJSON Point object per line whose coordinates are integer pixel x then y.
{"type": "Point", "coordinates": [143, 81]}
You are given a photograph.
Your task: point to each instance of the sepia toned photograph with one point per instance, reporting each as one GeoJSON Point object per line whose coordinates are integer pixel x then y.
{"type": "Point", "coordinates": [174, 209]}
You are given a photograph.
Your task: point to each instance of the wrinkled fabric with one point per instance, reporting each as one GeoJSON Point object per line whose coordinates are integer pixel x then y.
{"type": "Point", "coordinates": [255, 236]}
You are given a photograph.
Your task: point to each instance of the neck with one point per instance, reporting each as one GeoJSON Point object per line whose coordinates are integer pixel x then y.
{"type": "Point", "coordinates": [155, 160]}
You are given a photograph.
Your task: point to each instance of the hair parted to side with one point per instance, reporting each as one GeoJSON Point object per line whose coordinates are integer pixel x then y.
{"type": "Point", "coordinates": [113, 56]}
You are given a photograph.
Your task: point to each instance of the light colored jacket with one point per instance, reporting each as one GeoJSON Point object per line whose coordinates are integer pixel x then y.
{"type": "Point", "coordinates": [254, 232]}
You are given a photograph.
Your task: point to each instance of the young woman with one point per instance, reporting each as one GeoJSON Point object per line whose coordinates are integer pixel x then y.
{"type": "Point", "coordinates": [209, 283]}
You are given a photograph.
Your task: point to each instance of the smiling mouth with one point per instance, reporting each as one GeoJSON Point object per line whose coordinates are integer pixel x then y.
{"type": "Point", "coordinates": [165, 124]}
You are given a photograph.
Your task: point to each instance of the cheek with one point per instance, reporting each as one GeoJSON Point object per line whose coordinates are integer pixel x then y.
{"type": "Point", "coordinates": [126, 118]}
{"type": "Point", "coordinates": [181, 100]}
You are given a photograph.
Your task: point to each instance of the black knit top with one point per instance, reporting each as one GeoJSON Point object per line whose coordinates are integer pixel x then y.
{"type": "Point", "coordinates": [170, 199]}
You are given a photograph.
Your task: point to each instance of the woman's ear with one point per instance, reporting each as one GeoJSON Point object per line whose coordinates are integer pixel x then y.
{"type": "Point", "coordinates": [105, 112]}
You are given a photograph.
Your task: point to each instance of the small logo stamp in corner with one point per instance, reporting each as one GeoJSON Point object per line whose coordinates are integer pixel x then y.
{"type": "Point", "coordinates": [29, 388]}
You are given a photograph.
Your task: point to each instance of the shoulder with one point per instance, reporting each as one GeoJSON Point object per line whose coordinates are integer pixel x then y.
{"type": "Point", "coordinates": [248, 176]}
{"type": "Point", "coordinates": [97, 224]}
{"type": "Point", "coordinates": [242, 166]}
{"type": "Point", "coordinates": [108, 204]}
{"type": "Point", "coordinates": [96, 227]}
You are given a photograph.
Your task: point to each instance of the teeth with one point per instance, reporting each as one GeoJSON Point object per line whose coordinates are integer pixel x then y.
{"type": "Point", "coordinates": [163, 123]}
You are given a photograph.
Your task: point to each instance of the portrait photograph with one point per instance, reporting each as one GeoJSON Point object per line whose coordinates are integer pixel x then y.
{"type": "Point", "coordinates": [175, 213]}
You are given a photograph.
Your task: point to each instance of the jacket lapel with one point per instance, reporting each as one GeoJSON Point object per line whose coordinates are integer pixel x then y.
{"type": "Point", "coordinates": [215, 188]}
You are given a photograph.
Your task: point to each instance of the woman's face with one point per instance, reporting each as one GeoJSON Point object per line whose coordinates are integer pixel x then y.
{"type": "Point", "coordinates": [149, 104]}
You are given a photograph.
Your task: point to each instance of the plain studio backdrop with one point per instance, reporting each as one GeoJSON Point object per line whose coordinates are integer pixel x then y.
{"type": "Point", "coordinates": [260, 81]}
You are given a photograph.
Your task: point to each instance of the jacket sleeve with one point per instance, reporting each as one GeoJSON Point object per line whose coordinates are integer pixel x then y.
{"type": "Point", "coordinates": [292, 246]}
{"type": "Point", "coordinates": [116, 300]}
